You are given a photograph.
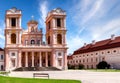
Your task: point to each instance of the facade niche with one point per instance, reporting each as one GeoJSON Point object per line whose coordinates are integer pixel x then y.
{"type": "Point", "coordinates": [13, 38]}
{"type": "Point", "coordinates": [59, 39]}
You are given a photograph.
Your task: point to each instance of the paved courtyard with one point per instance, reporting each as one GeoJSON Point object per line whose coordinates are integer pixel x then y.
{"type": "Point", "coordinates": [84, 76]}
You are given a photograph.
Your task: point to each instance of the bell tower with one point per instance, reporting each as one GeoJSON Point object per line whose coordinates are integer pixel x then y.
{"type": "Point", "coordinates": [56, 36]}
{"type": "Point", "coordinates": [13, 27]}
{"type": "Point", "coordinates": [56, 27]}
{"type": "Point", "coordinates": [13, 33]}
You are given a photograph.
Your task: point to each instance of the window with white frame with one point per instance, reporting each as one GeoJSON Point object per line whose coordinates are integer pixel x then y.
{"type": "Point", "coordinates": [2, 57]}
{"type": "Point", "coordinates": [59, 54]}
{"type": "Point", "coordinates": [1, 67]}
{"type": "Point", "coordinates": [13, 54]}
{"type": "Point", "coordinates": [114, 51]}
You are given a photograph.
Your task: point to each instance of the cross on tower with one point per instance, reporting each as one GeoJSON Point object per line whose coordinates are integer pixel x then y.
{"type": "Point", "coordinates": [32, 17]}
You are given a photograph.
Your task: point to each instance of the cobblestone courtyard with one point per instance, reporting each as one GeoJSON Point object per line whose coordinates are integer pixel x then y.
{"type": "Point", "coordinates": [83, 75]}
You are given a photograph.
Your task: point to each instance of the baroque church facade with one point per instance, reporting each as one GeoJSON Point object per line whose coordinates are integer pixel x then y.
{"type": "Point", "coordinates": [25, 48]}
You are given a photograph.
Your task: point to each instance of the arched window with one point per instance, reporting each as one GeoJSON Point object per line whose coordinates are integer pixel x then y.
{"type": "Point", "coordinates": [32, 42]}
{"type": "Point", "coordinates": [59, 39]}
{"type": "Point", "coordinates": [48, 39]}
{"type": "Point", "coordinates": [32, 29]}
{"type": "Point", "coordinates": [13, 38]}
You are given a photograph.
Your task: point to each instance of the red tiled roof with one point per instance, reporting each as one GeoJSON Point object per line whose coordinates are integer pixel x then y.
{"type": "Point", "coordinates": [1, 49]}
{"type": "Point", "coordinates": [100, 45]}
{"type": "Point", "coordinates": [69, 57]}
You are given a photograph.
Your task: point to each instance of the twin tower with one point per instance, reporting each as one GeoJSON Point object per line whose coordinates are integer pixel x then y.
{"type": "Point", "coordinates": [25, 48]}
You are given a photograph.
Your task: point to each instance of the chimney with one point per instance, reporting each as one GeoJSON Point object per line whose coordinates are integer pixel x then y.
{"type": "Point", "coordinates": [85, 44]}
{"type": "Point", "coordinates": [93, 42]}
{"type": "Point", "coordinates": [112, 37]}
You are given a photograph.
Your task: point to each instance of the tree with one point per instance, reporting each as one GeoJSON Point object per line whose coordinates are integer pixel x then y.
{"type": "Point", "coordinates": [71, 66]}
{"type": "Point", "coordinates": [103, 65]}
{"type": "Point", "coordinates": [81, 66]}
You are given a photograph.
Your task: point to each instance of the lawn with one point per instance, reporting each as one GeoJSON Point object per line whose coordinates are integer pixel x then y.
{"type": "Point", "coordinates": [104, 70]}
{"type": "Point", "coordinates": [33, 80]}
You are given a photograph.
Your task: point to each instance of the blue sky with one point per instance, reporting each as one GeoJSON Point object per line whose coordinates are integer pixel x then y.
{"type": "Point", "coordinates": [87, 20]}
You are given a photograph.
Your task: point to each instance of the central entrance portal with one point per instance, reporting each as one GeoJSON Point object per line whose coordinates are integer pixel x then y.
{"type": "Point", "coordinates": [36, 59]}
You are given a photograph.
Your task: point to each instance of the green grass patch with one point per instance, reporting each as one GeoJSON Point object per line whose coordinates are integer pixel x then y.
{"type": "Point", "coordinates": [4, 73]}
{"type": "Point", "coordinates": [104, 70]}
{"type": "Point", "coordinates": [33, 80]}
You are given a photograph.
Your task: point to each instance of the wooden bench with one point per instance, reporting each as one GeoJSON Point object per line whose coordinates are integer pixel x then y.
{"type": "Point", "coordinates": [40, 75]}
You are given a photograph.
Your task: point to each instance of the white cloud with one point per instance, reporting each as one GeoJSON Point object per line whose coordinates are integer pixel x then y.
{"type": "Point", "coordinates": [74, 42]}
{"type": "Point", "coordinates": [93, 11]}
{"type": "Point", "coordinates": [92, 18]}
{"type": "Point", "coordinates": [43, 10]}
{"type": "Point", "coordinates": [110, 27]}
{"type": "Point", "coordinates": [84, 4]}
{"type": "Point", "coordinates": [2, 37]}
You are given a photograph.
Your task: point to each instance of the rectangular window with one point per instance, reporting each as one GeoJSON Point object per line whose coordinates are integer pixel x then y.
{"type": "Point", "coordinates": [13, 22]}
{"type": "Point", "coordinates": [13, 54]}
{"type": "Point", "coordinates": [2, 67]}
{"type": "Point", "coordinates": [1, 57]}
{"type": "Point", "coordinates": [58, 22]}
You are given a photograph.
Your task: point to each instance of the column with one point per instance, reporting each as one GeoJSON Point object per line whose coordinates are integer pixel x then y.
{"type": "Point", "coordinates": [19, 59]}
{"type": "Point", "coordinates": [40, 61]}
{"type": "Point", "coordinates": [53, 23]}
{"type": "Point", "coordinates": [10, 22]}
{"type": "Point", "coordinates": [65, 22]}
{"type": "Point", "coordinates": [26, 59]}
{"type": "Point", "coordinates": [46, 59]}
{"type": "Point", "coordinates": [20, 22]}
{"type": "Point", "coordinates": [65, 60]}
{"type": "Point", "coordinates": [32, 59]}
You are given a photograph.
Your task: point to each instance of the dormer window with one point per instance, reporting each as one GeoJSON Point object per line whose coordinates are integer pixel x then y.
{"type": "Point", "coordinates": [13, 22]}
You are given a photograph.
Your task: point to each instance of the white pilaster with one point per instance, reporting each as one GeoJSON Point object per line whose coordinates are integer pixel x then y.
{"type": "Point", "coordinates": [20, 22]}
{"type": "Point", "coordinates": [46, 59]}
{"type": "Point", "coordinates": [54, 24]}
{"type": "Point", "coordinates": [64, 22]}
{"type": "Point", "coordinates": [20, 59]}
{"type": "Point", "coordinates": [17, 37]}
